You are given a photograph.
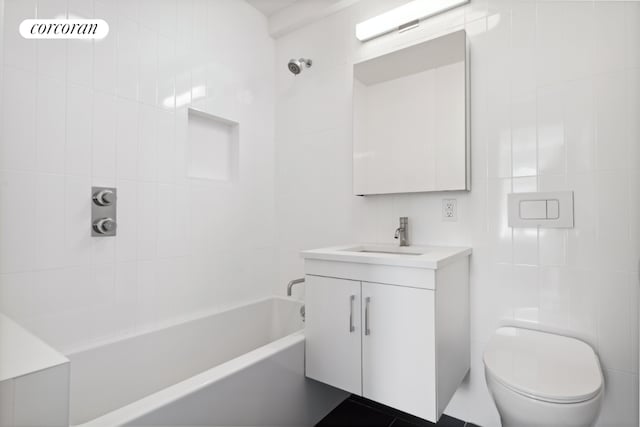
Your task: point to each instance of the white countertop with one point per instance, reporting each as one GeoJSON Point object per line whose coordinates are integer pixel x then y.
{"type": "Point", "coordinates": [429, 257]}
{"type": "Point", "coordinates": [22, 353]}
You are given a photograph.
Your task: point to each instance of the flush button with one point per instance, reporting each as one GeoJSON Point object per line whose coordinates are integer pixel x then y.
{"type": "Point", "coordinates": [553, 209]}
{"type": "Point", "coordinates": [533, 209]}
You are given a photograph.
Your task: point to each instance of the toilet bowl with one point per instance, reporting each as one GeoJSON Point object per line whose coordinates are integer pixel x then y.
{"type": "Point", "coordinates": [539, 379]}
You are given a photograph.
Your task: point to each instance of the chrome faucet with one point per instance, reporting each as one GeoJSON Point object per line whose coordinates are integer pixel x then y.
{"type": "Point", "coordinates": [289, 286]}
{"type": "Point", "coordinates": [402, 231]}
{"type": "Point", "coordinates": [291, 283]}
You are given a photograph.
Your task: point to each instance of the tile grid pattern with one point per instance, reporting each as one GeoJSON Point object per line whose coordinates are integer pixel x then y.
{"type": "Point", "coordinates": [113, 113]}
{"type": "Point", "coordinates": [555, 96]}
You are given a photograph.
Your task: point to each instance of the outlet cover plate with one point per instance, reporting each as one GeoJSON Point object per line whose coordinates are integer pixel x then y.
{"type": "Point", "coordinates": [449, 210]}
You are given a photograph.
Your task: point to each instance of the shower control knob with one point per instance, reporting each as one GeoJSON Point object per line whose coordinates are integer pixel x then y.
{"type": "Point", "coordinates": [105, 226]}
{"type": "Point", "coordinates": [104, 198]}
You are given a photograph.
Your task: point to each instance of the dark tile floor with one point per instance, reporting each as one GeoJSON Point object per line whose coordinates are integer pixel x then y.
{"type": "Point", "coordinates": [359, 412]}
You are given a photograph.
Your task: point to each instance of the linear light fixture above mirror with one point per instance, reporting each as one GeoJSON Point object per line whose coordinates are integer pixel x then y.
{"type": "Point", "coordinates": [404, 17]}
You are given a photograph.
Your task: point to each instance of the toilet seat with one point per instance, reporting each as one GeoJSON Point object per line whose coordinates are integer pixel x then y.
{"type": "Point", "coordinates": [565, 400]}
{"type": "Point", "coordinates": [542, 366]}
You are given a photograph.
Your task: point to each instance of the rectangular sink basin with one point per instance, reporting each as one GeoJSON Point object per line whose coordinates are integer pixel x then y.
{"type": "Point", "coordinates": [387, 252]}
{"type": "Point", "coordinates": [428, 257]}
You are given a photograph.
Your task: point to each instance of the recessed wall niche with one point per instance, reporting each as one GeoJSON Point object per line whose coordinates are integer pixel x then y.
{"type": "Point", "coordinates": [212, 146]}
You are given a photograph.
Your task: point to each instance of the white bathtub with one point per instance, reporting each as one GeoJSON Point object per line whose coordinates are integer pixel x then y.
{"type": "Point", "coordinates": [238, 367]}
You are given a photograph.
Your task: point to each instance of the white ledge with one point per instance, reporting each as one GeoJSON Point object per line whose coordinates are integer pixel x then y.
{"type": "Point", "coordinates": [23, 353]}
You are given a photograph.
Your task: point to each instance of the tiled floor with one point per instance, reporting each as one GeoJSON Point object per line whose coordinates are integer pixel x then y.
{"type": "Point", "coordinates": [359, 412]}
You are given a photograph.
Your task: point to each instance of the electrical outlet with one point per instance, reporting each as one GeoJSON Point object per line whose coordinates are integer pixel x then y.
{"type": "Point", "coordinates": [449, 210]}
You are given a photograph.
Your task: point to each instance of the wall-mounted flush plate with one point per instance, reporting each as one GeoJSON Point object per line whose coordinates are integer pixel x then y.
{"type": "Point", "coordinates": [548, 210]}
{"type": "Point", "coordinates": [449, 210]}
{"type": "Point", "coordinates": [103, 211]}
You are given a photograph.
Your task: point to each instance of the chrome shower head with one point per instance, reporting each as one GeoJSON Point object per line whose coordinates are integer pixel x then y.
{"type": "Point", "coordinates": [297, 65]}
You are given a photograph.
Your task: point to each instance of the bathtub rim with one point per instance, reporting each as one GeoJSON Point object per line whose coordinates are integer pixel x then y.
{"type": "Point", "coordinates": [174, 392]}
{"type": "Point", "coordinates": [172, 322]}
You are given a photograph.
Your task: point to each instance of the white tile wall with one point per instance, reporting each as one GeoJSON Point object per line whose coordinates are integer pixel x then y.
{"type": "Point", "coordinates": [78, 113]}
{"type": "Point", "coordinates": [554, 105]}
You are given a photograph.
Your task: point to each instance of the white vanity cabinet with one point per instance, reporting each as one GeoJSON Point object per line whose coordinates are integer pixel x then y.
{"type": "Point", "coordinates": [333, 352]}
{"type": "Point", "coordinates": [393, 333]}
{"type": "Point", "coordinates": [398, 357]}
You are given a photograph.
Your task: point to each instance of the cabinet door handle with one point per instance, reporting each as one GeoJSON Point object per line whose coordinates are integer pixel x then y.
{"type": "Point", "coordinates": [367, 331]}
{"type": "Point", "coordinates": [352, 328]}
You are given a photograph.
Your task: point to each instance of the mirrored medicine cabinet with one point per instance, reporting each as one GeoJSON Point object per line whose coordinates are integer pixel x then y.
{"type": "Point", "coordinates": [411, 119]}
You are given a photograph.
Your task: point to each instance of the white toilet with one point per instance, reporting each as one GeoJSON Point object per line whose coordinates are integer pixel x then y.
{"type": "Point", "coordinates": [539, 379]}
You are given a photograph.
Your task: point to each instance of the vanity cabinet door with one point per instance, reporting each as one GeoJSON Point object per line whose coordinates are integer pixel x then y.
{"type": "Point", "coordinates": [332, 332]}
{"type": "Point", "coordinates": [398, 350]}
